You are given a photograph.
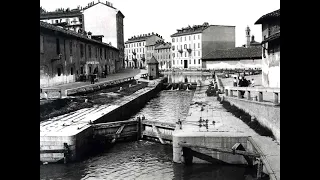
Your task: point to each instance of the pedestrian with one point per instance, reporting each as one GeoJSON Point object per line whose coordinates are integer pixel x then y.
{"type": "Point", "coordinates": [235, 82]}
{"type": "Point", "coordinates": [252, 83]}
{"type": "Point", "coordinates": [92, 78]}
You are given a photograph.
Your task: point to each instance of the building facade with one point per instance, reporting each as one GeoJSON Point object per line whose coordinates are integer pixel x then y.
{"type": "Point", "coordinates": [98, 18]}
{"type": "Point", "coordinates": [70, 20]}
{"type": "Point", "coordinates": [270, 49]}
{"type": "Point", "coordinates": [190, 44]}
{"type": "Point", "coordinates": [139, 49]}
{"type": "Point", "coordinates": [65, 55]}
{"type": "Point", "coordinates": [163, 55]}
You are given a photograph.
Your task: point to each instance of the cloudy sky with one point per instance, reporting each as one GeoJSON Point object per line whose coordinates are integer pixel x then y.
{"type": "Point", "coordinates": [166, 16]}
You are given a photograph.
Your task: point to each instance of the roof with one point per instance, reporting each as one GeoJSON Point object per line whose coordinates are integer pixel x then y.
{"type": "Point", "coordinates": [137, 39]}
{"type": "Point", "coordinates": [119, 12]}
{"type": "Point", "coordinates": [142, 37]}
{"type": "Point", "coordinates": [87, 7]}
{"type": "Point", "coordinates": [72, 33]}
{"type": "Point", "coordinates": [153, 60]}
{"type": "Point", "coordinates": [272, 15]}
{"type": "Point", "coordinates": [272, 37]}
{"type": "Point", "coordinates": [235, 53]}
{"type": "Point", "coordinates": [65, 14]}
{"type": "Point", "coordinates": [193, 30]}
{"type": "Point", "coordinates": [163, 46]}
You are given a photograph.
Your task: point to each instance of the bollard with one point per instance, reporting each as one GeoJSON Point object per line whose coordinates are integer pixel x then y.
{"type": "Point", "coordinates": [239, 94]}
{"type": "Point", "coordinates": [46, 95]}
{"type": "Point", "coordinates": [276, 98]}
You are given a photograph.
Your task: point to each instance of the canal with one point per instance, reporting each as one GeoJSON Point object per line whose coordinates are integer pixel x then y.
{"type": "Point", "coordinates": [144, 159]}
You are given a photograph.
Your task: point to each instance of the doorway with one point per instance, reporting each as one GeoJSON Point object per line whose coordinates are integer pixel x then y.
{"type": "Point", "coordinates": [185, 64]}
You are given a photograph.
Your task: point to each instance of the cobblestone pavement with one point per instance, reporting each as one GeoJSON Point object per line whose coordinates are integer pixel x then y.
{"type": "Point", "coordinates": [122, 74]}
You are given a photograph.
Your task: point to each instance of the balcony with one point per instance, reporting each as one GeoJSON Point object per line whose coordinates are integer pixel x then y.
{"type": "Point", "coordinates": [273, 30]}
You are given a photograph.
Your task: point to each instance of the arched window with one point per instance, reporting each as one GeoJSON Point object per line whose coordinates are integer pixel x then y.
{"type": "Point", "coordinates": [185, 46]}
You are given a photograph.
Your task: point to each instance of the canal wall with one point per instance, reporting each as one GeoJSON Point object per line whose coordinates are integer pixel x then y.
{"type": "Point", "coordinates": [76, 130]}
{"type": "Point", "coordinates": [267, 114]}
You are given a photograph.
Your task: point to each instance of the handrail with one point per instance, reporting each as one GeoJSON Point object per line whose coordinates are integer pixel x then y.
{"type": "Point", "coordinates": [256, 89]}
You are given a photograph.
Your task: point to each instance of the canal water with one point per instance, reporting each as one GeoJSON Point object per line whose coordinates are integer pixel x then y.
{"type": "Point", "coordinates": [143, 159]}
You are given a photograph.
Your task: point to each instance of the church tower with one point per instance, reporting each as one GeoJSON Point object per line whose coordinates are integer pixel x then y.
{"type": "Point", "coordinates": [248, 36]}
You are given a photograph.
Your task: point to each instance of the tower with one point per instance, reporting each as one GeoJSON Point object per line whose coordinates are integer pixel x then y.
{"type": "Point", "coordinates": [248, 36]}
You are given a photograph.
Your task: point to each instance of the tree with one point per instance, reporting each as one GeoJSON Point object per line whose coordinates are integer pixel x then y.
{"type": "Point", "coordinates": [42, 10]}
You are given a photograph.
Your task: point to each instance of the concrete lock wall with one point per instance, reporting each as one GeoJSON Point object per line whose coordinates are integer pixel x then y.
{"type": "Point", "coordinates": [266, 114]}
{"type": "Point", "coordinates": [128, 108]}
{"type": "Point", "coordinates": [209, 141]}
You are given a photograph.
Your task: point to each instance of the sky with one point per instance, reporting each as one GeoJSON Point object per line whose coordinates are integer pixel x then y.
{"type": "Point", "coordinates": [166, 16]}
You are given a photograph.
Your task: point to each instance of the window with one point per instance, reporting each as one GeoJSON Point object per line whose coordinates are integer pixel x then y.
{"type": "Point", "coordinates": [58, 46]}
{"type": "Point", "coordinates": [71, 71]}
{"type": "Point", "coordinates": [185, 46]}
{"type": "Point", "coordinates": [105, 53]}
{"type": "Point", "coordinates": [194, 61]}
{"type": "Point", "coordinates": [57, 21]}
{"type": "Point", "coordinates": [199, 36]}
{"type": "Point", "coordinates": [198, 61]}
{"type": "Point", "coordinates": [181, 47]}
{"type": "Point", "coordinates": [189, 46]}
{"type": "Point", "coordinates": [198, 53]}
{"type": "Point", "coordinates": [100, 52]}
{"type": "Point", "coordinates": [89, 49]}
{"type": "Point", "coordinates": [189, 38]}
{"type": "Point", "coordinates": [173, 48]}
{"type": "Point", "coordinates": [41, 44]}
{"type": "Point", "coordinates": [140, 44]}
{"type": "Point", "coordinates": [142, 50]}
{"type": "Point", "coordinates": [180, 39]}
{"type": "Point", "coordinates": [194, 37]}
{"type": "Point", "coordinates": [172, 39]}
{"type": "Point", "coordinates": [70, 47]}
{"type": "Point", "coordinates": [81, 50]}
{"type": "Point", "coordinates": [198, 45]}
{"type": "Point", "coordinates": [185, 38]}
{"type": "Point", "coordinates": [189, 61]}
{"type": "Point", "coordinates": [173, 62]}
{"type": "Point", "coordinates": [181, 61]}
{"type": "Point", "coordinates": [59, 71]}
{"type": "Point", "coordinates": [194, 53]}
{"type": "Point", "coordinates": [194, 45]}
{"type": "Point", "coordinates": [185, 54]}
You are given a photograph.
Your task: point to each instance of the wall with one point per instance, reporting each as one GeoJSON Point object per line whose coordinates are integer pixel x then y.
{"type": "Point", "coordinates": [217, 37]}
{"type": "Point", "coordinates": [101, 20]}
{"type": "Point", "coordinates": [120, 41]}
{"type": "Point", "coordinates": [246, 63]}
{"type": "Point", "coordinates": [271, 63]}
{"type": "Point", "coordinates": [50, 61]}
{"type": "Point", "coordinates": [266, 114]}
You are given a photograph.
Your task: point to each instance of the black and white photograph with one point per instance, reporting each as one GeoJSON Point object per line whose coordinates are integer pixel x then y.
{"type": "Point", "coordinates": [160, 90]}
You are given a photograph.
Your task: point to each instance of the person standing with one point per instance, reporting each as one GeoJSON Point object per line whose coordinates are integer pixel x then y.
{"type": "Point", "coordinates": [235, 82]}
